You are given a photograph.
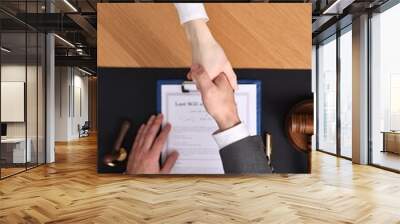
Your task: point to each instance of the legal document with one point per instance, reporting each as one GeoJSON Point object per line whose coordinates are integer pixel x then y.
{"type": "Point", "coordinates": [192, 127]}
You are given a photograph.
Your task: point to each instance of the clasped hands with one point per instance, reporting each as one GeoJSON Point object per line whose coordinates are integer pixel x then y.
{"type": "Point", "coordinates": [218, 99]}
{"type": "Point", "coordinates": [216, 81]}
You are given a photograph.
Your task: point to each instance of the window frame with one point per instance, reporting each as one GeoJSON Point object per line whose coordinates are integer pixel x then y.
{"type": "Point", "coordinates": [381, 9]}
{"type": "Point", "coordinates": [336, 35]}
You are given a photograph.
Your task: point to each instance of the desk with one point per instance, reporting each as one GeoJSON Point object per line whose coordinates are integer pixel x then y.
{"type": "Point", "coordinates": [139, 44]}
{"type": "Point", "coordinates": [13, 150]}
{"type": "Point", "coordinates": [258, 35]}
{"type": "Point", "coordinates": [391, 141]}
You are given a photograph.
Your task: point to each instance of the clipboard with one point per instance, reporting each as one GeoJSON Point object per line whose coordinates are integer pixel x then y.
{"type": "Point", "coordinates": [186, 87]}
{"type": "Point", "coordinates": [193, 128]}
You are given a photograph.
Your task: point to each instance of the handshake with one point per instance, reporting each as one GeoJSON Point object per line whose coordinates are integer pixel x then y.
{"type": "Point", "coordinates": [216, 82]}
{"type": "Point", "coordinates": [218, 99]}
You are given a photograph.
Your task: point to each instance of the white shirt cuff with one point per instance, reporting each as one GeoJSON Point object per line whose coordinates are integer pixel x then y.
{"type": "Point", "coordinates": [191, 11]}
{"type": "Point", "coordinates": [231, 135]}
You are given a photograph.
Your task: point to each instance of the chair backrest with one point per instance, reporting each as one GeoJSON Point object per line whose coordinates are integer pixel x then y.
{"type": "Point", "coordinates": [86, 125]}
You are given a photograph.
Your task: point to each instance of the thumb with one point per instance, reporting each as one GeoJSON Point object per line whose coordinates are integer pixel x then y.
{"type": "Point", "coordinates": [201, 78]}
{"type": "Point", "coordinates": [222, 82]}
{"type": "Point", "coordinates": [194, 68]}
{"type": "Point", "coordinates": [230, 74]}
{"type": "Point", "coordinates": [169, 162]}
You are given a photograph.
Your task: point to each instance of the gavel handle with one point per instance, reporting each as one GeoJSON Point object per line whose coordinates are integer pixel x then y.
{"type": "Point", "coordinates": [121, 135]}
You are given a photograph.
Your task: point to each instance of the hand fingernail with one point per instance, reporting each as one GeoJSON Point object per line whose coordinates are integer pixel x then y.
{"type": "Point", "coordinates": [150, 119]}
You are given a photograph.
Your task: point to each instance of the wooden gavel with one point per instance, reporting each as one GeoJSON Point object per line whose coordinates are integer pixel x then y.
{"type": "Point", "coordinates": [118, 153]}
{"type": "Point", "coordinates": [302, 123]}
{"type": "Point", "coordinates": [300, 127]}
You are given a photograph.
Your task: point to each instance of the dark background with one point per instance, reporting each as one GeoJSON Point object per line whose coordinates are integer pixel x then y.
{"type": "Point", "coordinates": [130, 93]}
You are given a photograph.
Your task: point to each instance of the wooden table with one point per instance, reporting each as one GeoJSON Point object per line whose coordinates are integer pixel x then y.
{"type": "Point", "coordinates": [14, 150]}
{"type": "Point", "coordinates": [253, 35]}
{"type": "Point", "coordinates": [391, 141]}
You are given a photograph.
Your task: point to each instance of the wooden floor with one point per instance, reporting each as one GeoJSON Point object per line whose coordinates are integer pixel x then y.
{"type": "Point", "coordinates": [70, 191]}
{"type": "Point", "coordinates": [5, 172]}
{"type": "Point", "coordinates": [387, 159]}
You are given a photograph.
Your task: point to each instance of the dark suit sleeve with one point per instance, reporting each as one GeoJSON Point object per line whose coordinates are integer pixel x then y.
{"type": "Point", "coordinates": [245, 156]}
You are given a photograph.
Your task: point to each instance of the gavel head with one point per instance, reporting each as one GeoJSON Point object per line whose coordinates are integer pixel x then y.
{"type": "Point", "coordinates": [115, 157]}
{"type": "Point", "coordinates": [118, 153]}
{"type": "Point", "coordinates": [300, 126]}
{"type": "Point", "coordinates": [302, 123]}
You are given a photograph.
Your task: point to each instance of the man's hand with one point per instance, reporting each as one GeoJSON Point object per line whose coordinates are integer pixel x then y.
{"type": "Point", "coordinates": [146, 149]}
{"type": "Point", "coordinates": [207, 52]}
{"type": "Point", "coordinates": [218, 97]}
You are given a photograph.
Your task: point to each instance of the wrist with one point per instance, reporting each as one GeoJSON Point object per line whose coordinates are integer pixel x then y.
{"type": "Point", "coordinates": [227, 122]}
{"type": "Point", "coordinates": [198, 32]}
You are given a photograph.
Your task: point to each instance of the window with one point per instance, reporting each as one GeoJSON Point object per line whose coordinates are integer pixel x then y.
{"type": "Point", "coordinates": [385, 88]}
{"type": "Point", "coordinates": [327, 95]}
{"type": "Point", "coordinates": [346, 92]}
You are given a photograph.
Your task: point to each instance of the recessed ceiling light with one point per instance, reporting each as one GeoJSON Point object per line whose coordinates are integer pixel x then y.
{"type": "Point", "coordinates": [70, 5]}
{"type": "Point", "coordinates": [5, 50]}
{"type": "Point", "coordinates": [64, 40]}
{"type": "Point", "coordinates": [337, 7]}
{"type": "Point", "coordinates": [84, 71]}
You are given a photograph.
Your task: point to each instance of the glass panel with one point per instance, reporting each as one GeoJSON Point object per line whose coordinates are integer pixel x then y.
{"type": "Point", "coordinates": [346, 94]}
{"type": "Point", "coordinates": [22, 89]}
{"type": "Point", "coordinates": [31, 100]}
{"type": "Point", "coordinates": [385, 87]}
{"type": "Point", "coordinates": [13, 88]}
{"type": "Point", "coordinates": [41, 98]}
{"type": "Point", "coordinates": [32, 89]}
{"type": "Point", "coordinates": [327, 96]}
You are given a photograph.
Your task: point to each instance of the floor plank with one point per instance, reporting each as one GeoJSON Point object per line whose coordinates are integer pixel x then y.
{"type": "Point", "coordinates": [70, 191]}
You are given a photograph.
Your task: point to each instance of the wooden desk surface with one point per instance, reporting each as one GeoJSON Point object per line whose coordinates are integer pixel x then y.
{"type": "Point", "coordinates": [253, 35]}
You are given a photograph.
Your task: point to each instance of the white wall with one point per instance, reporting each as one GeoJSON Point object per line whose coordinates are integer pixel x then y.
{"type": "Point", "coordinates": [16, 73]}
{"type": "Point", "coordinates": [62, 81]}
{"type": "Point", "coordinates": [79, 117]}
{"type": "Point", "coordinates": [33, 126]}
{"type": "Point", "coordinates": [70, 83]}
{"type": "Point", "coordinates": [12, 101]}
{"type": "Point", "coordinates": [9, 73]}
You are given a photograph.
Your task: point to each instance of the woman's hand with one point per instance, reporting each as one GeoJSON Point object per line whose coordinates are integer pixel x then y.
{"type": "Point", "coordinates": [207, 52]}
